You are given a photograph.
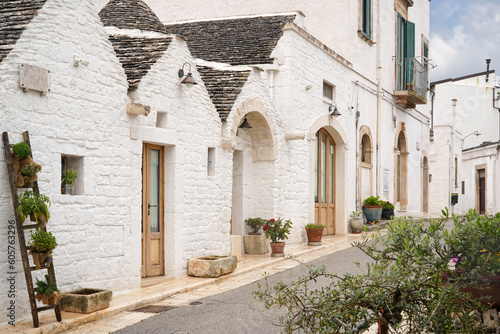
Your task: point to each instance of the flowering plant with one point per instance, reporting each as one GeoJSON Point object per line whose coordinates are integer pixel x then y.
{"type": "Point", "coordinates": [474, 247]}
{"type": "Point", "coordinates": [276, 230]}
{"type": "Point", "coordinates": [387, 206]}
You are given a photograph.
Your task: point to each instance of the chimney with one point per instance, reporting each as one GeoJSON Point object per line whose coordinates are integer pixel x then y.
{"type": "Point", "coordinates": [487, 69]}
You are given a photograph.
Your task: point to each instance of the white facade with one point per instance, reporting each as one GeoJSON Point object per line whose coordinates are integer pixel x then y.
{"type": "Point", "coordinates": [216, 175]}
{"type": "Point", "coordinates": [469, 133]}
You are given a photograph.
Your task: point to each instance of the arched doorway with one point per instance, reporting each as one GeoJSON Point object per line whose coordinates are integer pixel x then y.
{"type": "Point", "coordinates": [400, 169]}
{"type": "Point", "coordinates": [365, 163]}
{"type": "Point", "coordinates": [324, 193]}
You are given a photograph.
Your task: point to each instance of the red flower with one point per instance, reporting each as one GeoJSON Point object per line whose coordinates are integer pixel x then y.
{"type": "Point", "coordinates": [388, 202]}
{"type": "Point", "coordinates": [272, 220]}
{"type": "Point", "coordinates": [265, 227]}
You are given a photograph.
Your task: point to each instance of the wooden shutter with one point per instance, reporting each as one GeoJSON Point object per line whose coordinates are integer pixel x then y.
{"type": "Point", "coordinates": [367, 11]}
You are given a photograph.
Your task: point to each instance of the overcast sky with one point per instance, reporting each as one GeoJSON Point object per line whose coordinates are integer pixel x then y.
{"type": "Point", "coordinates": [463, 34]}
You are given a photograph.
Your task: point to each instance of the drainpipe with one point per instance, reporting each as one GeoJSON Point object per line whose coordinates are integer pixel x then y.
{"type": "Point", "coordinates": [433, 94]}
{"type": "Point", "coordinates": [497, 108]}
{"type": "Point", "coordinates": [452, 156]}
{"type": "Point", "coordinates": [488, 69]}
{"type": "Point", "coordinates": [379, 95]}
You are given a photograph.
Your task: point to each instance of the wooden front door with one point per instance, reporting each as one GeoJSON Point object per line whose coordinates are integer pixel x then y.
{"type": "Point", "coordinates": [324, 197]}
{"type": "Point", "coordinates": [152, 235]}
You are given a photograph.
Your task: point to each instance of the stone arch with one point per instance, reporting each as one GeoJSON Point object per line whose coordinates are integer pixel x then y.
{"type": "Point", "coordinates": [334, 129]}
{"type": "Point", "coordinates": [254, 156]}
{"type": "Point", "coordinates": [365, 171]}
{"type": "Point", "coordinates": [401, 167]}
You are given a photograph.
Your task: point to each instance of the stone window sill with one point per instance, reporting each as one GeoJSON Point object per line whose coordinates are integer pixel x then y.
{"type": "Point", "coordinates": [365, 38]}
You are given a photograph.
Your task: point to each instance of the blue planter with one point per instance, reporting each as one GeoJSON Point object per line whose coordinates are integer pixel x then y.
{"type": "Point", "coordinates": [372, 213]}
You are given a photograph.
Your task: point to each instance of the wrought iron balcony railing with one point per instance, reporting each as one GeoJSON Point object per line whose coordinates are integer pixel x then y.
{"type": "Point", "coordinates": [412, 77]}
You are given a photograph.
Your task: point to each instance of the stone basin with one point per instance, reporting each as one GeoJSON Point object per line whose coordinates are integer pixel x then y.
{"type": "Point", "coordinates": [85, 300]}
{"type": "Point", "coordinates": [212, 265]}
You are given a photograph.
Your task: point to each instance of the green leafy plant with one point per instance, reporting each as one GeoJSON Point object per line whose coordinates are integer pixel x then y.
{"type": "Point", "coordinates": [45, 287]}
{"type": "Point", "coordinates": [41, 241]}
{"type": "Point", "coordinates": [70, 176]}
{"type": "Point", "coordinates": [31, 203]}
{"type": "Point", "coordinates": [276, 229]}
{"type": "Point", "coordinates": [387, 205]}
{"type": "Point", "coordinates": [255, 224]}
{"type": "Point", "coordinates": [356, 214]}
{"type": "Point", "coordinates": [311, 225]}
{"type": "Point", "coordinates": [21, 150]}
{"type": "Point", "coordinates": [31, 170]}
{"type": "Point", "coordinates": [372, 200]}
{"type": "Point", "coordinates": [402, 286]}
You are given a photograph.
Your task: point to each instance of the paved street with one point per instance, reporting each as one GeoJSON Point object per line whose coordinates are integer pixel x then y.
{"type": "Point", "coordinates": [234, 311]}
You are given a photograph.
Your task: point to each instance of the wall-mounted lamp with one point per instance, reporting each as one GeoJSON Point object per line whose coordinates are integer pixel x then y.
{"type": "Point", "coordinates": [245, 124]}
{"type": "Point", "coordinates": [77, 62]}
{"type": "Point", "coordinates": [188, 80]}
{"type": "Point", "coordinates": [332, 109]}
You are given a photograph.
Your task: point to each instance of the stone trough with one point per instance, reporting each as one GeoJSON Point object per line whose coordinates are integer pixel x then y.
{"type": "Point", "coordinates": [212, 265]}
{"type": "Point", "coordinates": [85, 300]}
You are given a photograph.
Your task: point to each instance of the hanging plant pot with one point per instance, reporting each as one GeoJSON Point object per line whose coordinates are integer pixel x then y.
{"type": "Point", "coordinates": [50, 299]}
{"type": "Point", "coordinates": [277, 249]}
{"type": "Point", "coordinates": [41, 259]}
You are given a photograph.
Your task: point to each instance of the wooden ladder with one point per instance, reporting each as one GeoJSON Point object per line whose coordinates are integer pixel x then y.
{"type": "Point", "coordinates": [20, 234]}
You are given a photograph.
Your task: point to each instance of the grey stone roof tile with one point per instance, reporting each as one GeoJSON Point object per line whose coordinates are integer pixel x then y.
{"type": "Point", "coordinates": [138, 54]}
{"type": "Point", "coordinates": [130, 14]}
{"type": "Point", "coordinates": [15, 16]}
{"type": "Point", "coordinates": [240, 41]}
{"type": "Point", "coordinates": [223, 87]}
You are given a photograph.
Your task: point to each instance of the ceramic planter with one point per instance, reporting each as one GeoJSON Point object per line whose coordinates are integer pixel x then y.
{"type": "Point", "coordinates": [70, 189]}
{"type": "Point", "coordinates": [373, 213]}
{"type": "Point", "coordinates": [255, 244]}
{"type": "Point", "coordinates": [387, 214]}
{"type": "Point", "coordinates": [277, 249]}
{"type": "Point", "coordinates": [85, 300]}
{"type": "Point", "coordinates": [356, 225]}
{"type": "Point", "coordinates": [211, 266]}
{"type": "Point", "coordinates": [314, 236]}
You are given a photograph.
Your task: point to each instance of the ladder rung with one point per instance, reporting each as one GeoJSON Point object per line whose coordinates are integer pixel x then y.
{"type": "Point", "coordinates": [43, 308]}
{"type": "Point", "coordinates": [41, 267]}
{"type": "Point", "coordinates": [27, 227]}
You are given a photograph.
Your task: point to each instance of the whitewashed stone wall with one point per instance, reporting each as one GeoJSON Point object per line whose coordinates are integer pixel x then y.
{"type": "Point", "coordinates": [83, 115]}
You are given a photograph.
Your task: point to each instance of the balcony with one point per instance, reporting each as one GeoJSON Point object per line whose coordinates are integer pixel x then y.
{"type": "Point", "coordinates": [412, 82]}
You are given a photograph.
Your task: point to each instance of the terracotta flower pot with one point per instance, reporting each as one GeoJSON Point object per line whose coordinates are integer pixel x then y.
{"type": "Point", "coordinates": [489, 295]}
{"type": "Point", "coordinates": [314, 236]}
{"type": "Point", "coordinates": [277, 249]}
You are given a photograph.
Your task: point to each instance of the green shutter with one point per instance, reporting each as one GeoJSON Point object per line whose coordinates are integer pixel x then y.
{"type": "Point", "coordinates": [367, 17]}
{"type": "Point", "coordinates": [410, 40]}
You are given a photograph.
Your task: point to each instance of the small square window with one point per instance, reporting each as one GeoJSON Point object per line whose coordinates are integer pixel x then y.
{"type": "Point", "coordinates": [72, 171]}
{"type": "Point", "coordinates": [161, 119]}
{"type": "Point", "coordinates": [328, 91]}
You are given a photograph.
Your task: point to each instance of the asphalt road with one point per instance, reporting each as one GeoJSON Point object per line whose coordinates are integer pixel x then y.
{"type": "Point", "coordinates": [236, 311]}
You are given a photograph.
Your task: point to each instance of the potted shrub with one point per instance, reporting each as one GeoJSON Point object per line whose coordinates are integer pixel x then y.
{"type": "Point", "coordinates": [25, 168]}
{"type": "Point", "coordinates": [277, 230]}
{"type": "Point", "coordinates": [47, 292]}
{"type": "Point", "coordinates": [372, 208]}
{"type": "Point", "coordinates": [255, 241]}
{"type": "Point", "coordinates": [387, 210]}
{"type": "Point", "coordinates": [314, 234]}
{"type": "Point", "coordinates": [69, 179]}
{"type": "Point", "coordinates": [34, 205]}
{"type": "Point", "coordinates": [41, 245]}
{"type": "Point", "coordinates": [356, 222]}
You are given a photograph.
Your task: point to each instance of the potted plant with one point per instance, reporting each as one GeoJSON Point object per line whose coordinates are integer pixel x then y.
{"type": "Point", "coordinates": [314, 234]}
{"type": "Point", "coordinates": [372, 208]}
{"type": "Point", "coordinates": [255, 241]}
{"type": "Point", "coordinates": [387, 210]}
{"type": "Point", "coordinates": [34, 205]}
{"type": "Point", "coordinates": [25, 168]}
{"type": "Point", "coordinates": [47, 292]}
{"type": "Point", "coordinates": [41, 245]}
{"type": "Point", "coordinates": [356, 222]}
{"type": "Point", "coordinates": [69, 179]}
{"type": "Point", "coordinates": [277, 230]}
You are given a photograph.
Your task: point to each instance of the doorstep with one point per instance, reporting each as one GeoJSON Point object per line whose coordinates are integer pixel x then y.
{"type": "Point", "coordinates": [154, 290]}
